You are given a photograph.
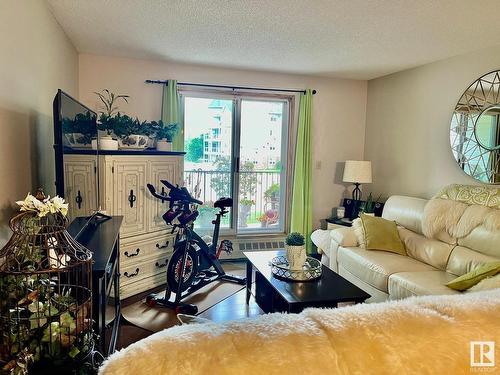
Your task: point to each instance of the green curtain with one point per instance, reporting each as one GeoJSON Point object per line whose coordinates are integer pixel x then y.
{"type": "Point", "coordinates": [171, 112]}
{"type": "Point", "coordinates": [301, 210]}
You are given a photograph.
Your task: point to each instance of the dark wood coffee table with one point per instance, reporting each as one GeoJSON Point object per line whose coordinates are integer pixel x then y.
{"type": "Point", "coordinates": [273, 294]}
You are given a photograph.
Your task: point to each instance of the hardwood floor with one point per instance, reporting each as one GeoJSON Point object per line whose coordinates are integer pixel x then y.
{"type": "Point", "coordinates": [230, 308]}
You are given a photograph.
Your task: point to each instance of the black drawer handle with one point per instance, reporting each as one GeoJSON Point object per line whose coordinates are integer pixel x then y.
{"type": "Point", "coordinates": [132, 255]}
{"type": "Point", "coordinates": [126, 274]}
{"type": "Point", "coordinates": [162, 246]}
{"type": "Point", "coordinates": [162, 265]}
{"type": "Point", "coordinates": [79, 199]}
{"type": "Point", "coordinates": [132, 198]}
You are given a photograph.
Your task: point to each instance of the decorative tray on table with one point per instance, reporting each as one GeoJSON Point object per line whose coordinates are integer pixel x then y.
{"type": "Point", "coordinates": [311, 270]}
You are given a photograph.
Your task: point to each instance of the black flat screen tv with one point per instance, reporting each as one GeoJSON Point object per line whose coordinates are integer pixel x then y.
{"type": "Point", "coordinates": [72, 119]}
{"type": "Point", "coordinates": [75, 128]}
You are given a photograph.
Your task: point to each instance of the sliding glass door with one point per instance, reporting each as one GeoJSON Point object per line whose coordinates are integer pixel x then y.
{"type": "Point", "coordinates": [236, 146]}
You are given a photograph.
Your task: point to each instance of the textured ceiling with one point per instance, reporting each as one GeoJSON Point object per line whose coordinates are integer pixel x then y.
{"type": "Point", "coordinates": [359, 39]}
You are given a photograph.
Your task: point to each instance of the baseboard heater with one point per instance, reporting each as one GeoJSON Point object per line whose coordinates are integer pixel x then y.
{"type": "Point", "coordinates": [255, 244]}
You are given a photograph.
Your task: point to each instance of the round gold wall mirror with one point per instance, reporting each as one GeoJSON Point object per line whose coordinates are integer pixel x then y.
{"type": "Point", "coordinates": [475, 129]}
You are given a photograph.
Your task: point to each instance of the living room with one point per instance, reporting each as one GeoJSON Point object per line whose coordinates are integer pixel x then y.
{"type": "Point", "coordinates": [357, 139]}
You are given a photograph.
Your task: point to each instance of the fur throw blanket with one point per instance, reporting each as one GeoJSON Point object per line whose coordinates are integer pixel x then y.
{"type": "Point", "coordinates": [459, 209]}
{"type": "Point", "coordinates": [418, 335]}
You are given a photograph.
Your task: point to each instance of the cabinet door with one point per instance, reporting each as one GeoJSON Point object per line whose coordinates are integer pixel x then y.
{"type": "Point", "coordinates": [167, 169]}
{"type": "Point", "coordinates": [129, 181]}
{"type": "Point", "coordinates": [80, 188]}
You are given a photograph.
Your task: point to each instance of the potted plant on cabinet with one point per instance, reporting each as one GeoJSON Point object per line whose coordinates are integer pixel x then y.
{"type": "Point", "coordinates": [295, 250]}
{"type": "Point", "coordinates": [165, 136]}
{"type": "Point", "coordinates": [131, 133]}
{"type": "Point", "coordinates": [107, 120]}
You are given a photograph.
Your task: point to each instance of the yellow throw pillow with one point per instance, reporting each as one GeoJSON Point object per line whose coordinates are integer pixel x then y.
{"type": "Point", "coordinates": [471, 278]}
{"type": "Point", "coordinates": [381, 234]}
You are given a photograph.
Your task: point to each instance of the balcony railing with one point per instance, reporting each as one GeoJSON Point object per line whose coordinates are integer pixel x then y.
{"type": "Point", "coordinates": [262, 187]}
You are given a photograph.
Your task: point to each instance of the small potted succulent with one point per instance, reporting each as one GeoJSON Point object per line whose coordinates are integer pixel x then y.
{"type": "Point", "coordinates": [109, 118]}
{"type": "Point", "coordinates": [165, 136]}
{"type": "Point", "coordinates": [295, 250]}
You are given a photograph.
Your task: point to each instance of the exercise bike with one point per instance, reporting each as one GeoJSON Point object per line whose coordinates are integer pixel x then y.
{"type": "Point", "coordinates": [194, 263]}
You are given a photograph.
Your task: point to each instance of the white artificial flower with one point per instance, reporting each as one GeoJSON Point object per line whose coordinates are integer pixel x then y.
{"type": "Point", "coordinates": [48, 205]}
{"type": "Point", "coordinates": [60, 205]}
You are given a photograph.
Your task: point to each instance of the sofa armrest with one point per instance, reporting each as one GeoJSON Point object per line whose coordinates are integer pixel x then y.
{"type": "Point", "coordinates": [344, 237]}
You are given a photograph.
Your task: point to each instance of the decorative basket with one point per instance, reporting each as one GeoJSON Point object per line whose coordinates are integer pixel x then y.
{"type": "Point", "coordinates": [45, 295]}
{"type": "Point", "coordinates": [310, 271]}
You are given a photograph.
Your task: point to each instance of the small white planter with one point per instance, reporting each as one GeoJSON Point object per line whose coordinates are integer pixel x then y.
{"type": "Point", "coordinates": [296, 256]}
{"type": "Point", "coordinates": [133, 142]}
{"type": "Point", "coordinates": [163, 145]}
{"type": "Point", "coordinates": [107, 143]}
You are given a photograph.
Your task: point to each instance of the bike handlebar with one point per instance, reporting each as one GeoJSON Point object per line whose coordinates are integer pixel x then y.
{"type": "Point", "coordinates": [181, 194]}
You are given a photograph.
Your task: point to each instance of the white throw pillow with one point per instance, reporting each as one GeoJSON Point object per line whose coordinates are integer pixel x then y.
{"type": "Point", "coordinates": [492, 282]}
{"type": "Point", "coordinates": [359, 231]}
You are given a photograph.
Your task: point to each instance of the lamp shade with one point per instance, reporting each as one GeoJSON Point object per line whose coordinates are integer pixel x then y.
{"type": "Point", "coordinates": [358, 171]}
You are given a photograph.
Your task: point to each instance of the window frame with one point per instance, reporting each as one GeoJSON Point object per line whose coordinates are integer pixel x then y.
{"type": "Point", "coordinates": [288, 128]}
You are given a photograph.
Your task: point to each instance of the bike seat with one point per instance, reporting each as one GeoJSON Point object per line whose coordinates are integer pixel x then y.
{"type": "Point", "coordinates": [223, 203]}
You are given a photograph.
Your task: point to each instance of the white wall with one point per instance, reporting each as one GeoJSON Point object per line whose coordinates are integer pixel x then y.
{"type": "Point", "coordinates": [408, 121]}
{"type": "Point", "coordinates": [338, 107]}
{"type": "Point", "coordinates": [36, 59]}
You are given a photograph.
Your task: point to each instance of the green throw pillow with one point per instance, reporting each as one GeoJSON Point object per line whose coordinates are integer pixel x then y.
{"type": "Point", "coordinates": [381, 234]}
{"type": "Point", "coordinates": [471, 278]}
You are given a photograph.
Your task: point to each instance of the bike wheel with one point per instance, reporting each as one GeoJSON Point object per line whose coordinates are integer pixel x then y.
{"type": "Point", "coordinates": [174, 269]}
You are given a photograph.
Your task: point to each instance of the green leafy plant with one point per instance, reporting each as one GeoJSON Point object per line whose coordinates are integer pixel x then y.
{"type": "Point", "coordinates": [194, 148]}
{"type": "Point", "coordinates": [151, 128]}
{"type": "Point", "coordinates": [124, 126]}
{"type": "Point", "coordinates": [295, 239]}
{"type": "Point", "coordinates": [369, 206]}
{"type": "Point", "coordinates": [221, 181]}
{"type": "Point", "coordinates": [247, 202]}
{"type": "Point", "coordinates": [273, 191]}
{"type": "Point", "coordinates": [248, 182]}
{"type": "Point", "coordinates": [109, 100]}
{"type": "Point", "coordinates": [167, 132]}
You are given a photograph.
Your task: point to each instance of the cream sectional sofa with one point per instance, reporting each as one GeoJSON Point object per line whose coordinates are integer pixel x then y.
{"type": "Point", "coordinates": [430, 263]}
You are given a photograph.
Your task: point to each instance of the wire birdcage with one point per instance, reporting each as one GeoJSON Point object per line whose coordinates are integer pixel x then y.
{"type": "Point", "coordinates": [45, 295]}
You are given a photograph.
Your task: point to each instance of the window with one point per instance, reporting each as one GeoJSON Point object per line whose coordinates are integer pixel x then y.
{"type": "Point", "coordinates": [237, 160]}
{"type": "Point", "coordinates": [215, 147]}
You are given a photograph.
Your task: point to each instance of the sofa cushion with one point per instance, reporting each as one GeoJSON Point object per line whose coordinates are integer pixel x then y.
{"type": "Point", "coordinates": [406, 211]}
{"type": "Point", "coordinates": [376, 233]}
{"type": "Point", "coordinates": [463, 260]}
{"type": "Point", "coordinates": [407, 284]}
{"type": "Point", "coordinates": [482, 240]}
{"type": "Point", "coordinates": [427, 250]}
{"type": "Point", "coordinates": [374, 267]}
{"type": "Point", "coordinates": [473, 277]}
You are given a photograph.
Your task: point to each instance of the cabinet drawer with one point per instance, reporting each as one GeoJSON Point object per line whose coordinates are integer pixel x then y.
{"type": "Point", "coordinates": [137, 251]}
{"type": "Point", "coordinates": [140, 270]}
{"type": "Point", "coordinates": [143, 285]}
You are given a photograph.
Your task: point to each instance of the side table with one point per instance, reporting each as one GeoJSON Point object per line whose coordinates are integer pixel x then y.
{"type": "Point", "coordinates": [333, 223]}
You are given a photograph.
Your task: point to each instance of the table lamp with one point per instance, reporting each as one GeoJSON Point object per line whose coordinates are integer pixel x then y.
{"type": "Point", "coordinates": [357, 172]}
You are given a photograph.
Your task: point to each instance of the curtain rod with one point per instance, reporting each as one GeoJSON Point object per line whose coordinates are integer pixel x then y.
{"type": "Point", "coordinates": [226, 87]}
